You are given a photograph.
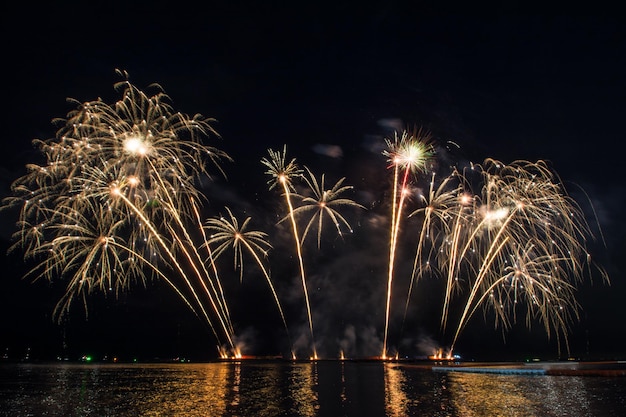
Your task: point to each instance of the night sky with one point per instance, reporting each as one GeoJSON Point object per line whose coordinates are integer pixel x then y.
{"type": "Point", "coordinates": [505, 81]}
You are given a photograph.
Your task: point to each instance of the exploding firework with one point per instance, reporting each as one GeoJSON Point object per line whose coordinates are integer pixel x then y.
{"type": "Point", "coordinates": [117, 202]}
{"type": "Point", "coordinates": [515, 247]}
{"type": "Point", "coordinates": [316, 202]}
{"type": "Point", "coordinates": [324, 203]}
{"type": "Point", "coordinates": [282, 175]}
{"type": "Point", "coordinates": [407, 154]}
{"type": "Point", "coordinates": [226, 232]}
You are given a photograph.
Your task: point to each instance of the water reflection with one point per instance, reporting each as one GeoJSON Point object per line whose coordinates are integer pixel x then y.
{"type": "Point", "coordinates": [189, 390]}
{"type": "Point", "coordinates": [488, 395]}
{"type": "Point", "coordinates": [412, 391]}
{"type": "Point", "coordinates": [303, 383]}
{"type": "Point", "coordinates": [396, 399]}
{"type": "Point", "coordinates": [564, 396]}
{"type": "Point", "coordinates": [234, 402]}
{"type": "Point", "coordinates": [308, 389]}
{"type": "Point", "coordinates": [517, 395]}
{"type": "Point", "coordinates": [260, 390]}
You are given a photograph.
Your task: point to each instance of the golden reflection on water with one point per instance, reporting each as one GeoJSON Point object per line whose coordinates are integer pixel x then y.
{"type": "Point", "coordinates": [488, 395]}
{"type": "Point", "coordinates": [343, 396]}
{"type": "Point", "coordinates": [303, 378]}
{"type": "Point", "coordinates": [197, 390]}
{"type": "Point", "coordinates": [396, 399]}
{"type": "Point", "coordinates": [477, 394]}
{"type": "Point", "coordinates": [239, 388]}
{"type": "Point", "coordinates": [217, 390]}
{"type": "Point", "coordinates": [236, 384]}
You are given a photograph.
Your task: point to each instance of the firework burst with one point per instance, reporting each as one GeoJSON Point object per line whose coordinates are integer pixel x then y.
{"type": "Point", "coordinates": [515, 247]}
{"type": "Point", "coordinates": [407, 154]}
{"type": "Point", "coordinates": [316, 201]}
{"type": "Point", "coordinates": [115, 200]}
{"type": "Point", "coordinates": [324, 203]}
{"type": "Point", "coordinates": [282, 174]}
{"type": "Point", "coordinates": [227, 233]}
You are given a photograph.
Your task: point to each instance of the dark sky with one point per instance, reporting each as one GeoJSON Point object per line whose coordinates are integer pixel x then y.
{"type": "Point", "coordinates": [504, 81]}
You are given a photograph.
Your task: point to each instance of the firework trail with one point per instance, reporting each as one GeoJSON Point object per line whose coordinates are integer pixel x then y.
{"type": "Point", "coordinates": [226, 232]}
{"type": "Point", "coordinates": [407, 153]}
{"type": "Point", "coordinates": [282, 175]}
{"type": "Point", "coordinates": [316, 202]}
{"type": "Point", "coordinates": [444, 201]}
{"type": "Point", "coordinates": [117, 201]}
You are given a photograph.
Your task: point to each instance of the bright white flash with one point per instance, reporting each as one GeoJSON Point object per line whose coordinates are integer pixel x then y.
{"type": "Point", "coordinates": [135, 146]}
{"type": "Point", "coordinates": [495, 215]}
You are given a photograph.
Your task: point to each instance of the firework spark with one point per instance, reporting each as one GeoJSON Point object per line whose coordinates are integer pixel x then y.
{"type": "Point", "coordinates": [226, 232]}
{"type": "Point", "coordinates": [518, 245]}
{"type": "Point", "coordinates": [407, 154]}
{"type": "Point", "coordinates": [282, 175]}
{"type": "Point", "coordinates": [114, 203]}
{"type": "Point", "coordinates": [324, 203]}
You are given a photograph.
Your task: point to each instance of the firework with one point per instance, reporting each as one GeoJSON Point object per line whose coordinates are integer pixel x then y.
{"type": "Point", "coordinates": [282, 175]}
{"type": "Point", "coordinates": [324, 203]}
{"type": "Point", "coordinates": [407, 153]}
{"type": "Point", "coordinates": [226, 232]}
{"type": "Point", "coordinates": [518, 245]}
{"type": "Point", "coordinates": [317, 202]}
{"type": "Point", "coordinates": [117, 203]}
{"type": "Point", "coordinates": [442, 207]}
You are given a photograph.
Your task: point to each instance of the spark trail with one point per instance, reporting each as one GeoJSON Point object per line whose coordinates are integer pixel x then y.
{"type": "Point", "coordinates": [226, 232]}
{"type": "Point", "coordinates": [407, 153]}
{"type": "Point", "coordinates": [282, 174]}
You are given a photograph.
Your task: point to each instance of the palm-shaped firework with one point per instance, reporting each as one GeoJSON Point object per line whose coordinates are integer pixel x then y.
{"type": "Point", "coordinates": [282, 174]}
{"type": "Point", "coordinates": [318, 202]}
{"type": "Point", "coordinates": [225, 233]}
{"type": "Point", "coordinates": [324, 203]}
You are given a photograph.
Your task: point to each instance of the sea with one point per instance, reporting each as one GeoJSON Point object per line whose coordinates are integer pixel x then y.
{"type": "Point", "coordinates": [310, 388]}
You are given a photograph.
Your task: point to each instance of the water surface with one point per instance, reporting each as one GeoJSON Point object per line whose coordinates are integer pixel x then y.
{"type": "Point", "coordinates": [283, 388]}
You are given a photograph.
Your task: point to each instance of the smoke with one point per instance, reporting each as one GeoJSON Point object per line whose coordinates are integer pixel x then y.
{"type": "Point", "coordinates": [246, 338]}
{"type": "Point", "coordinates": [332, 151]}
{"type": "Point", "coordinates": [391, 124]}
{"type": "Point", "coordinates": [348, 342]}
{"type": "Point", "coordinates": [427, 346]}
{"type": "Point", "coordinates": [359, 342]}
{"type": "Point", "coordinates": [302, 342]}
